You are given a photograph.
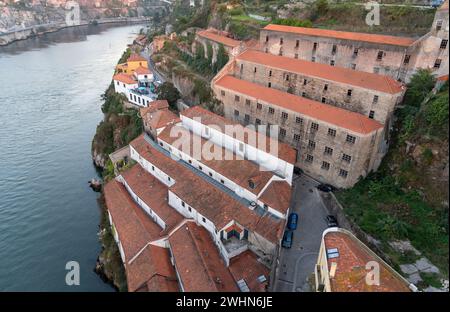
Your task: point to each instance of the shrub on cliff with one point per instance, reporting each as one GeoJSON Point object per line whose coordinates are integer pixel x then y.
{"type": "Point", "coordinates": [167, 91]}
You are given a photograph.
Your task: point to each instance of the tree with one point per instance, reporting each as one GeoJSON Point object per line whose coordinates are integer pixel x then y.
{"type": "Point", "coordinates": [167, 91]}
{"type": "Point", "coordinates": [222, 58]}
{"type": "Point", "coordinates": [419, 87]}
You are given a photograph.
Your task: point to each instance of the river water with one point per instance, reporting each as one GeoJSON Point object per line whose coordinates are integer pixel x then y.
{"type": "Point", "coordinates": [50, 90]}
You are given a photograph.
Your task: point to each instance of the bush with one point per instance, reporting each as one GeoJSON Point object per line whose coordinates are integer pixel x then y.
{"type": "Point", "coordinates": [292, 22]}
{"type": "Point", "coordinates": [419, 87]}
{"type": "Point", "coordinates": [436, 113]}
{"type": "Point", "coordinates": [167, 91]}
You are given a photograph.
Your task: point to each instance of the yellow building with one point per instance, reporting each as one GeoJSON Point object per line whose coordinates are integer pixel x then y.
{"type": "Point", "coordinates": [133, 62]}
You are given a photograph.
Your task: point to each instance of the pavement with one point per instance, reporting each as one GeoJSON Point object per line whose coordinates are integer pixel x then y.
{"type": "Point", "coordinates": [297, 263]}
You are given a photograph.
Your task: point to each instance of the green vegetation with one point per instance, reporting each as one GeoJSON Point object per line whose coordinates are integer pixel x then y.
{"type": "Point", "coordinates": [430, 279]}
{"type": "Point", "coordinates": [292, 22]}
{"type": "Point", "coordinates": [167, 91]}
{"type": "Point", "coordinates": [403, 200]}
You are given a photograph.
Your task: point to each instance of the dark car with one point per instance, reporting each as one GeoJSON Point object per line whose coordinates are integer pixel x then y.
{"type": "Point", "coordinates": [287, 239]}
{"type": "Point", "coordinates": [292, 221]}
{"type": "Point", "coordinates": [325, 188]}
{"type": "Point", "coordinates": [331, 221]}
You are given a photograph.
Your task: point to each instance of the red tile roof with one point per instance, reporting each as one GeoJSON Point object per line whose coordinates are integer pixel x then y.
{"type": "Point", "coordinates": [327, 113]}
{"type": "Point", "coordinates": [198, 261]}
{"type": "Point", "coordinates": [351, 274]}
{"type": "Point", "coordinates": [127, 79]}
{"type": "Point", "coordinates": [285, 152]}
{"type": "Point", "coordinates": [161, 118]}
{"type": "Point", "coordinates": [154, 193]}
{"type": "Point", "coordinates": [278, 196]}
{"type": "Point", "coordinates": [347, 76]}
{"type": "Point", "coordinates": [142, 71]}
{"type": "Point", "coordinates": [136, 58]}
{"type": "Point", "coordinates": [226, 163]}
{"type": "Point", "coordinates": [215, 36]}
{"type": "Point", "coordinates": [154, 106]}
{"type": "Point", "coordinates": [247, 267]}
{"type": "Point", "coordinates": [343, 35]}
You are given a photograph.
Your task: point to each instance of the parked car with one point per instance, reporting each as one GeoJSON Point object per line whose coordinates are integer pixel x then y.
{"type": "Point", "coordinates": [325, 188]}
{"type": "Point", "coordinates": [287, 239]}
{"type": "Point", "coordinates": [292, 221]}
{"type": "Point", "coordinates": [331, 221]}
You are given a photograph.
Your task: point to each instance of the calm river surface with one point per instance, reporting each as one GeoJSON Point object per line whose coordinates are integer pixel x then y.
{"type": "Point", "coordinates": [50, 90]}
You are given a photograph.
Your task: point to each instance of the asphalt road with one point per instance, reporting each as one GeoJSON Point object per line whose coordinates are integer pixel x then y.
{"type": "Point", "coordinates": [297, 263]}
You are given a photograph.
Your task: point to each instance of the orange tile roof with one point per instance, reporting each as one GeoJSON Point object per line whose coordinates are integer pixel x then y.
{"type": "Point", "coordinates": [343, 35]}
{"type": "Point", "coordinates": [142, 71]}
{"type": "Point", "coordinates": [127, 79]}
{"type": "Point", "coordinates": [285, 152]}
{"type": "Point", "coordinates": [443, 78]}
{"type": "Point", "coordinates": [160, 118]}
{"type": "Point", "coordinates": [327, 113]}
{"type": "Point", "coordinates": [247, 267]}
{"type": "Point", "coordinates": [347, 76]}
{"type": "Point", "coordinates": [278, 196]}
{"type": "Point", "coordinates": [154, 106]}
{"type": "Point", "coordinates": [226, 163]}
{"type": "Point", "coordinates": [154, 193]}
{"type": "Point", "coordinates": [136, 58]}
{"type": "Point", "coordinates": [198, 261]}
{"type": "Point", "coordinates": [351, 274]}
{"type": "Point", "coordinates": [214, 36]}
{"type": "Point", "coordinates": [216, 205]}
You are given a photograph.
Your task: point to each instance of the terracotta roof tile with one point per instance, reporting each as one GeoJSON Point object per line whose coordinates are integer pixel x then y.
{"type": "Point", "coordinates": [350, 271]}
{"type": "Point", "coordinates": [247, 267]}
{"type": "Point", "coordinates": [347, 76]}
{"type": "Point", "coordinates": [285, 152]}
{"type": "Point", "coordinates": [343, 35]}
{"type": "Point", "coordinates": [278, 196]}
{"type": "Point", "coordinates": [327, 113]}
{"type": "Point", "coordinates": [160, 118]}
{"type": "Point", "coordinates": [127, 79]}
{"type": "Point", "coordinates": [215, 36]}
{"type": "Point", "coordinates": [154, 106]}
{"type": "Point", "coordinates": [142, 71]}
{"type": "Point", "coordinates": [136, 58]}
{"type": "Point", "coordinates": [198, 261]}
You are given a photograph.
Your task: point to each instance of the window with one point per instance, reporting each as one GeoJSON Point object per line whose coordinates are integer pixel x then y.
{"type": "Point", "coordinates": [281, 40]}
{"type": "Point", "coordinates": [118, 83]}
{"type": "Point", "coordinates": [304, 94]}
{"type": "Point", "coordinates": [190, 161]}
{"type": "Point", "coordinates": [271, 111]}
{"type": "Point", "coordinates": [236, 98]}
{"type": "Point", "coordinates": [309, 158]}
{"type": "Point", "coordinates": [314, 126]}
{"type": "Point", "coordinates": [247, 102]}
{"type": "Point", "coordinates": [350, 139]}
{"type": "Point", "coordinates": [438, 25]}
{"type": "Point", "coordinates": [222, 181]}
{"type": "Point", "coordinates": [282, 132]}
{"type": "Point", "coordinates": [236, 112]}
{"type": "Point", "coordinates": [376, 70]}
{"type": "Point", "coordinates": [437, 64]}
{"type": "Point", "coordinates": [380, 55]}
{"type": "Point", "coordinates": [258, 106]}
{"type": "Point", "coordinates": [328, 151]}
{"type": "Point", "coordinates": [375, 99]}
{"type": "Point", "coordinates": [332, 63]}
{"type": "Point", "coordinates": [349, 92]}
{"type": "Point", "coordinates": [153, 168]}
{"type": "Point", "coordinates": [353, 66]}
{"type": "Point", "coordinates": [371, 114]}
{"type": "Point", "coordinates": [311, 144]}
{"type": "Point", "coordinates": [267, 38]}
{"type": "Point", "coordinates": [204, 219]}
{"type": "Point", "coordinates": [313, 59]}
{"type": "Point", "coordinates": [296, 137]}
{"type": "Point", "coordinates": [297, 43]}
{"type": "Point", "coordinates": [287, 77]}
{"type": "Point", "coordinates": [346, 158]}
{"type": "Point", "coordinates": [406, 60]}
{"type": "Point", "coordinates": [190, 209]}
{"type": "Point", "coordinates": [355, 52]}
{"type": "Point", "coordinates": [296, 55]}
{"type": "Point", "coordinates": [284, 115]}
{"type": "Point", "coordinates": [305, 82]}
{"type": "Point", "coordinates": [298, 120]}
{"type": "Point", "coordinates": [168, 178]}
{"type": "Point", "coordinates": [325, 165]}
{"type": "Point", "coordinates": [343, 173]}
{"type": "Point", "coordinates": [334, 49]}
{"type": "Point", "coordinates": [254, 70]}
{"type": "Point", "coordinates": [315, 46]}
{"type": "Point", "coordinates": [200, 168]}
{"type": "Point", "coordinates": [258, 121]}
{"type": "Point", "coordinates": [242, 68]}
{"type": "Point", "coordinates": [270, 73]}
{"type": "Point", "coordinates": [331, 132]}
{"type": "Point", "coordinates": [325, 87]}
{"type": "Point", "coordinates": [324, 100]}
{"type": "Point", "coordinates": [241, 147]}
{"type": "Point", "coordinates": [281, 52]}
{"type": "Point", "coordinates": [183, 204]}
{"type": "Point", "coordinates": [247, 117]}
{"type": "Point", "coordinates": [222, 93]}
{"type": "Point", "coordinates": [269, 85]}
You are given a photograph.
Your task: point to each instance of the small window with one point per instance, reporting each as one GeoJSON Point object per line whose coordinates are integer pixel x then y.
{"type": "Point", "coordinates": [325, 165]}
{"type": "Point", "coordinates": [269, 85]}
{"type": "Point", "coordinates": [222, 181]}
{"type": "Point", "coordinates": [282, 132]}
{"type": "Point", "coordinates": [200, 168]}
{"type": "Point", "coordinates": [380, 55]}
{"type": "Point", "coordinates": [371, 114]}
{"type": "Point", "coordinates": [325, 87]}
{"type": "Point", "coordinates": [287, 77]}
{"type": "Point", "coordinates": [296, 55]}
{"type": "Point", "coordinates": [247, 102]}
{"type": "Point", "coordinates": [376, 70]}
{"type": "Point", "coordinates": [375, 99]}
{"type": "Point", "coordinates": [190, 161]}
{"type": "Point", "coordinates": [242, 68]}
{"type": "Point", "coordinates": [298, 120]}
{"type": "Point", "coordinates": [222, 93]}
{"type": "Point", "coordinates": [204, 219]}
{"type": "Point", "coordinates": [406, 60]}
{"type": "Point", "coordinates": [281, 40]}
{"type": "Point", "coordinates": [281, 52]}
{"type": "Point", "coordinates": [353, 66]}
{"type": "Point", "coordinates": [190, 209]}
{"type": "Point", "coordinates": [236, 98]}
{"type": "Point", "coordinates": [183, 204]}
{"type": "Point", "coordinates": [258, 121]}
{"type": "Point", "coordinates": [313, 59]}
{"type": "Point", "coordinates": [438, 25]}
{"type": "Point", "coordinates": [332, 63]}
{"type": "Point", "coordinates": [349, 92]}
{"type": "Point", "coordinates": [296, 137]}
{"type": "Point", "coordinates": [311, 144]}
{"type": "Point", "coordinates": [258, 106]}
{"type": "Point", "coordinates": [315, 46]}
{"type": "Point", "coordinates": [437, 64]}
{"type": "Point", "coordinates": [270, 73]}
{"type": "Point", "coordinates": [343, 173]}
{"type": "Point", "coordinates": [334, 49]}
{"type": "Point", "coordinates": [350, 139]}
{"type": "Point", "coordinates": [309, 158]}
{"type": "Point", "coordinates": [236, 112]}
{"type": "Point", "coordinates": [324, 100]}
{"type": "Point", "coordinates": [328, 151]}
{"type": "Point", "coordinates": [314, 126]}
{"type": "Point", "coordinates": [284, 115]}
{"type": "Point", "coordinates": [153, 168]}
{"type": "Point", "coordinates": [241, 147]}
{"type": "Point", "coordinates": [355, 52]}
{"type": "Point", "coordinates": [305, 82]}
{"type": "Point", "coordinates": [247, 117]}
{"type": "Point", "coordinates": [297, 43]}
{"type": "Point", "coordinates": [267, 38]}
{"type": "Point", "coordinates": [346, 158]}
{"type": "Point", "coordinates": [331, 132]}
{"type": "Point", "coordinates": [168, 178]}
{"type": "Point", "coordinates": [304, 94]}
{"type": "Point", "coordinates": [271, 110]}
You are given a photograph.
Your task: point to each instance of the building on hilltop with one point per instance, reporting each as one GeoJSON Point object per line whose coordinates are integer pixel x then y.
{"type": "Point", "coordinates": [216, 38]}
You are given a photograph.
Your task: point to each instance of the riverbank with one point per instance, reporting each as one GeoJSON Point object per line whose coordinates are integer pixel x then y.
{"type": "Point", "coordinates": [40, 30]}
